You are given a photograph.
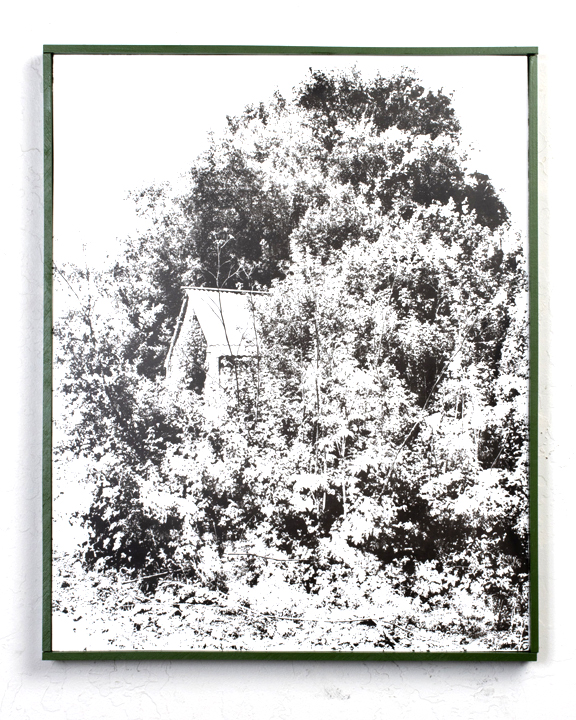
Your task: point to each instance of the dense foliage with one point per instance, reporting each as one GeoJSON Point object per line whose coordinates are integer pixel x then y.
{"type": "Point", "coordinates": [371, 462]}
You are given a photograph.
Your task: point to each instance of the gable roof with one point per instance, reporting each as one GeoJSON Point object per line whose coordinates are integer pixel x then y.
{"type": "Point", "coordinates": [226, 319]}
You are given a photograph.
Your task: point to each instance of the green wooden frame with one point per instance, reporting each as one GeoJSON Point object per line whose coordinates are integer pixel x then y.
{"type": "Point", "coordinates": [532, 68]}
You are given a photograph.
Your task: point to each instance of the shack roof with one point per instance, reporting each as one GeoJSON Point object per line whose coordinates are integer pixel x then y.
{"type": "Point", "coordinates": [226, 317]}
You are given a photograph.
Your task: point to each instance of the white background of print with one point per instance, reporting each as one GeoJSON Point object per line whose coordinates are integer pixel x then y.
{"type": "Point", "coordinates": [263, 690]}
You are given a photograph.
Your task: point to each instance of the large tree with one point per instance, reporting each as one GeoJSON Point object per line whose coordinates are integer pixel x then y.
{"type": "Point", "coordinates": [280, 165]}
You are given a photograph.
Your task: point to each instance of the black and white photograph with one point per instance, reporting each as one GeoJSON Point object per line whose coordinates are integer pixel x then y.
{"type": "Point", "coordinates": [290, 354]}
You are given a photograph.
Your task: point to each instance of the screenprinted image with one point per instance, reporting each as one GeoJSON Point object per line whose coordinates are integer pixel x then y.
{"type": "Point", "coordinates": [290, 386]}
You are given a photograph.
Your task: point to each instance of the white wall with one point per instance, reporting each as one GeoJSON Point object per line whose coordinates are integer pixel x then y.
{"type": "Point", "coordinates": [30, 688]}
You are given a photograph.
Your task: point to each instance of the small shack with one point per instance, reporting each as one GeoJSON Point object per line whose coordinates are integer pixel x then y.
{"type": "Point", "coordinates": [227, 323]}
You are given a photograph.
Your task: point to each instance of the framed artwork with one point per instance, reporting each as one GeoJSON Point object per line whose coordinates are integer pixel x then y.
{"type": "Point", "coordinates": [290, 353]}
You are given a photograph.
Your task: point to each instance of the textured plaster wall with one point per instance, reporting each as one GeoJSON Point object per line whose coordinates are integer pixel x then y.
{"type": "Point", "coordinates": [30, 688]}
